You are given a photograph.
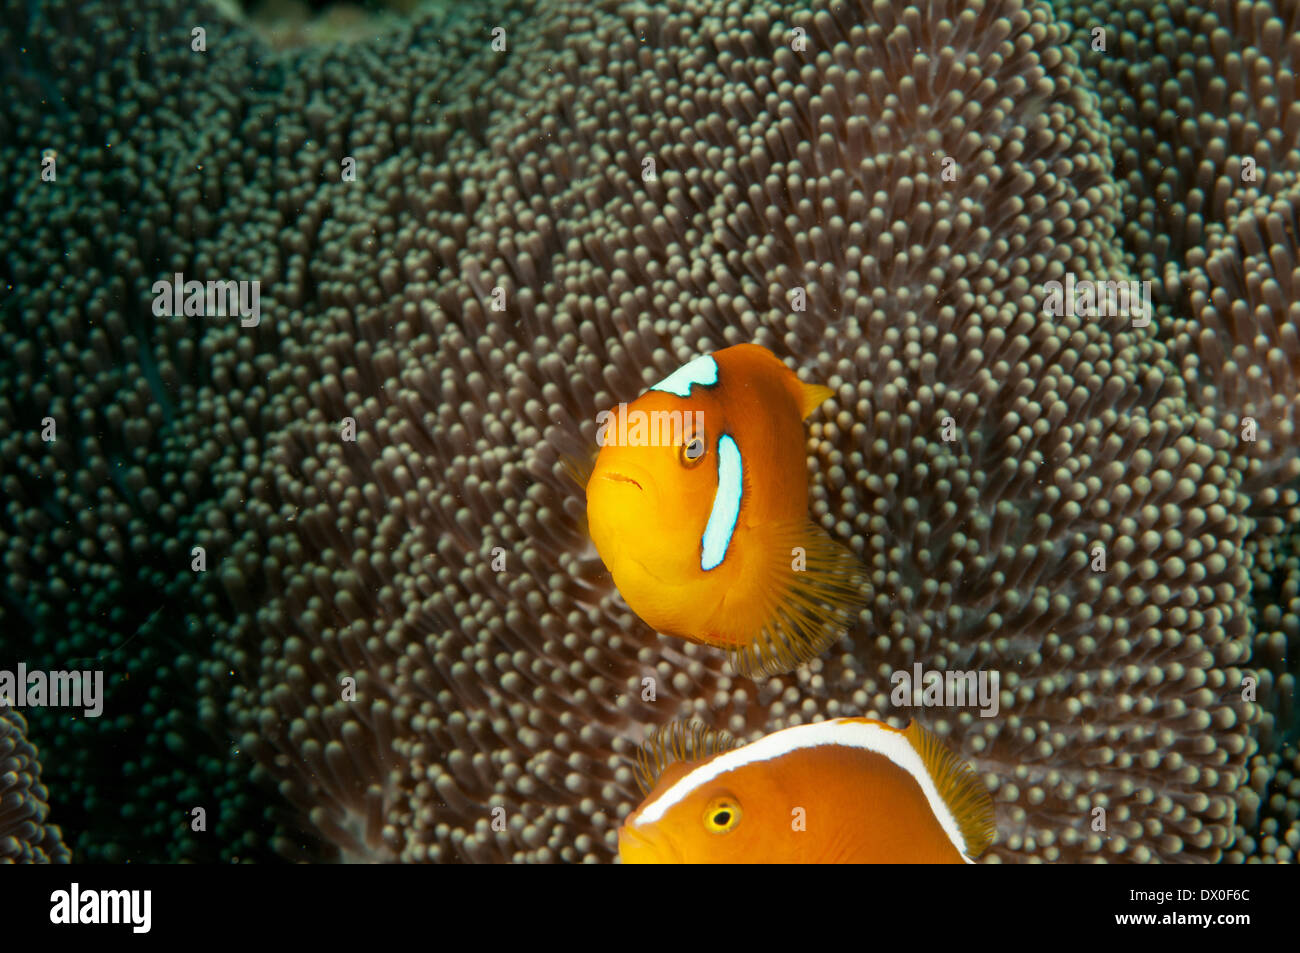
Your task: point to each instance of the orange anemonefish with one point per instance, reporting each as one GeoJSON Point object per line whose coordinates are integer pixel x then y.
{"type": "Point", "coordinates": [850, 790]}
{"type": "Point", "coordinates": [698, 505]}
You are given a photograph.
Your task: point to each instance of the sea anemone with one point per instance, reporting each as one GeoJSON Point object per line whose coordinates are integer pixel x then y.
{"type": "Point", "coordinates": [25, 837]}
{"type": "Point", "coordinates": [438, 561]}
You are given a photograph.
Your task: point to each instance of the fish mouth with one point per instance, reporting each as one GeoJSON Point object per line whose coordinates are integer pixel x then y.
{"type": "Point", "coordinates": [637, 848]}
{"type": "Point", "coordinates": [616, 477]}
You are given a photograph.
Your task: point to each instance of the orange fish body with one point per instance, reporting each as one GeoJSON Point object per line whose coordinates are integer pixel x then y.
{"type": "Point", "coordinates": [698, 505]}
{"type": "Point", "coordinates": [850, 790]}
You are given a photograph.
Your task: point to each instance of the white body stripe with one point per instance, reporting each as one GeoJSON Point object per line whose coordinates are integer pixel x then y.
{"type": "Point", "coordinates": [726, 505]}
{"type": "Point", "coordinates": [839, 731]}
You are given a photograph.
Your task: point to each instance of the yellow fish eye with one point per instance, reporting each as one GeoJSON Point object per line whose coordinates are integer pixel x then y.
{"type": "Point", "coordinates": [692, 451]}
{"type": "Point", "coordinates": [722, 815]}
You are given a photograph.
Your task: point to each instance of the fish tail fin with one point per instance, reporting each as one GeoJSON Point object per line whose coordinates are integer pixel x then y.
{"type": "Point", "coordinates": [960, 787]}
{"type": "Point", "coordinates": [812, 596]}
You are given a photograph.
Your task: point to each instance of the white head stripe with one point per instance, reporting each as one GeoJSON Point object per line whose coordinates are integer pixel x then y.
{"type": "Point", "coordinates": [702, 370]}
{"type": "Point", "coordinates": [840, 731]}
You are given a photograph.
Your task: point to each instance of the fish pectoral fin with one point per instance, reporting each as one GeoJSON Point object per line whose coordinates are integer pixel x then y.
{"type": "Point", "coordinates": [960, 787]}
{"type": "Point", "coordinates": [578, 467]}
{"type": "Point", "coordinates": [812, 587]}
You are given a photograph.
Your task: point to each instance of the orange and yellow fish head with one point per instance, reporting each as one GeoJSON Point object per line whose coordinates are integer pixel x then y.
{"type": "Point", "coordinates": [688, 826]}
{"type": "Point", "coordinates": [748, 812]}
{"type": "Point", "coordinates": [707, 827]}
{"type": "Point", "coordinates": [698, 505]}
{"type": "Point", "coordinates": [649, 500]}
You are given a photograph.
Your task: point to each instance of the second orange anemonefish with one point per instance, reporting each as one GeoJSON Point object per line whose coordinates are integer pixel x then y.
{"type": "Point", "coordinates": [706, 533]}
{"type": "Point", "coordinates": [848, 790]}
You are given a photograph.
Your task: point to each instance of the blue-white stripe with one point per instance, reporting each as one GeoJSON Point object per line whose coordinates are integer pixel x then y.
{"type": "Point", "coordinates": [702, 370]}
{"type": "Point", "coordinates": [726, 505]}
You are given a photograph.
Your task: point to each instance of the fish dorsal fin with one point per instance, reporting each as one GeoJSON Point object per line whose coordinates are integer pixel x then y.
{"type": "Point", "coordinates": [960, 787]}
{"type": "Point", "coordinates": [807, 396]}
{"type": "Point", "coordinates": [677, 745]}
{"type": "Point", "coordinates": [812, 396]}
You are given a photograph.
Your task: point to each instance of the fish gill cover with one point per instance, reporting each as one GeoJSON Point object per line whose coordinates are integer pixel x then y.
{"type": "Point", "coordinates": [324, 546]}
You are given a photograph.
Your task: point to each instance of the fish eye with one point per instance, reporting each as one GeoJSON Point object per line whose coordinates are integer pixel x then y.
{"type": "Point", "coordinates": [722, 815]}
{"type": "Point", "coordinates": [692, 451]}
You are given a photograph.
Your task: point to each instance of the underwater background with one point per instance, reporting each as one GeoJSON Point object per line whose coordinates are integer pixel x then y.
{"type": "Point", "coordinates": [375, 645]}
